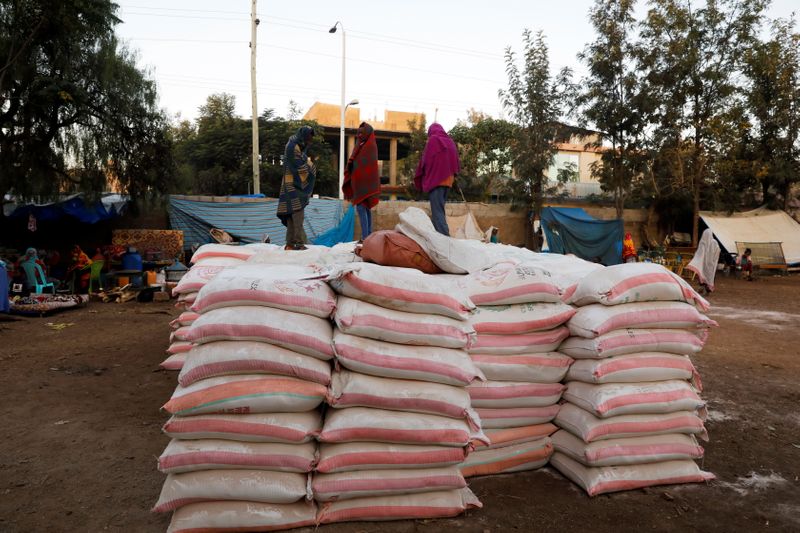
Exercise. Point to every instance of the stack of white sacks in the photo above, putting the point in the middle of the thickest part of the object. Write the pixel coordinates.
(246, 411)
(208, 261)
(520, 323)
(400, 420)
(632, 412)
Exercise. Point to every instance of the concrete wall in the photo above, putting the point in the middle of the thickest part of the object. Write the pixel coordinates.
(511, 223)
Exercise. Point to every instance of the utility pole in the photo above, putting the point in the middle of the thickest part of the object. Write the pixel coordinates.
(253, 26)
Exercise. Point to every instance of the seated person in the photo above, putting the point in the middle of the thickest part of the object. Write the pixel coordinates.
(746, 264)
(79, 269)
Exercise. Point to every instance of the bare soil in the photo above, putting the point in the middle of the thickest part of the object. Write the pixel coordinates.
(80, 430)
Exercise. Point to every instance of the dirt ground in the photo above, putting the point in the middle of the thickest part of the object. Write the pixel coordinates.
(80, 430)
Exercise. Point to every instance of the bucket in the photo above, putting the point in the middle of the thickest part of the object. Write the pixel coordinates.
(122, 281)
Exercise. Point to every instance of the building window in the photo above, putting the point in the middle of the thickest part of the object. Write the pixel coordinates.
(566, 162)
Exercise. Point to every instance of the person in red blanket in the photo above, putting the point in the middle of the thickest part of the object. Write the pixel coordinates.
(362, 181)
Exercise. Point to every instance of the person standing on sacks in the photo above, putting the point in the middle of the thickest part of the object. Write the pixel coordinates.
(362, 181)
(436, 173)
(297, 187)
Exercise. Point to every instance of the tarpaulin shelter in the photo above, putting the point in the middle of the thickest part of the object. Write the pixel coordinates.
(571, 230)
(757, 226)
(248, 220)
(75, 207)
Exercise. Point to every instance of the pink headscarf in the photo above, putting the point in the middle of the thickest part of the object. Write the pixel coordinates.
(439, 160)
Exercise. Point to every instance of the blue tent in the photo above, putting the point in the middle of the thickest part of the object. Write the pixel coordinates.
(248, 219)
(74, 207)
(571, 230)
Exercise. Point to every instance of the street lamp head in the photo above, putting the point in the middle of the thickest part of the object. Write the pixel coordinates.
(333, 28)
(353, 102)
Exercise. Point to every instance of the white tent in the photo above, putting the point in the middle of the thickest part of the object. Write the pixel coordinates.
(759, 225)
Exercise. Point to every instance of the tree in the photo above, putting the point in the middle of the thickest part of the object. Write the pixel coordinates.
(214, 155)
(689, 59)
(611, 98)
(536, 102)
(75, 111)
(416, 145)
(483, 146)
(773, 99)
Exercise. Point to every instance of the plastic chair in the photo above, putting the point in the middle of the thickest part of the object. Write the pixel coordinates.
(94, 276)
(36, 279)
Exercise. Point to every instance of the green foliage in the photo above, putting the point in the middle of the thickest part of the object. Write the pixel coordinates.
(688, 58)
(612, 97)
(416, 145)
(75, 110)
(215, 154)
(483, 144)
(773, 99)
(535, 101)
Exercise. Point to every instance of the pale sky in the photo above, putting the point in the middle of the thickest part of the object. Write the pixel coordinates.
(406, 55)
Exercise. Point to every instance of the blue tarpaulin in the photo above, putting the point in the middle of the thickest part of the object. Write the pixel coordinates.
(571, 230)
(248, 220)
(341, 233)
(74, 207)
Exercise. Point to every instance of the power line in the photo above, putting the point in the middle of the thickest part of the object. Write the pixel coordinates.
(358, 60)
(311, 26)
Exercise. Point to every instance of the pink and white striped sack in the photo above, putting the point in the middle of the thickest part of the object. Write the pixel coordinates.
(363, 319)
(509, 283)
(550, 367)
(612, 399)
(196, 278)
(602, 480)
(179, 347)
(628, 451)
(634, 282)
(208, 454)
(208, 251)
(510, 394)
(402, 289)
(247, 393)
(528, 343)
(597, 319)
(175, 361)
(440, 504)
(243, 485)
(255, 427)
(184, 319)
(301, 333)
(511, 417)
(628, 341)
(635, 368)
(366, 483)
(351, 389)
(422, 363)
(358, 456)
(227, 358)
(226, 516)
(364, 424)
(283, 287)
(590, 428)
(520, 318)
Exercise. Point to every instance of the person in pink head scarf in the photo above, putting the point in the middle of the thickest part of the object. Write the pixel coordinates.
(436, 173)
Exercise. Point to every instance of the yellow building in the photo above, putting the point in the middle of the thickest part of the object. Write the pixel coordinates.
(388, 133)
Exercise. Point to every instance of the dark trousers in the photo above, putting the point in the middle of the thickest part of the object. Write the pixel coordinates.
(438, 197)
(295, 234)
(365, 218)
